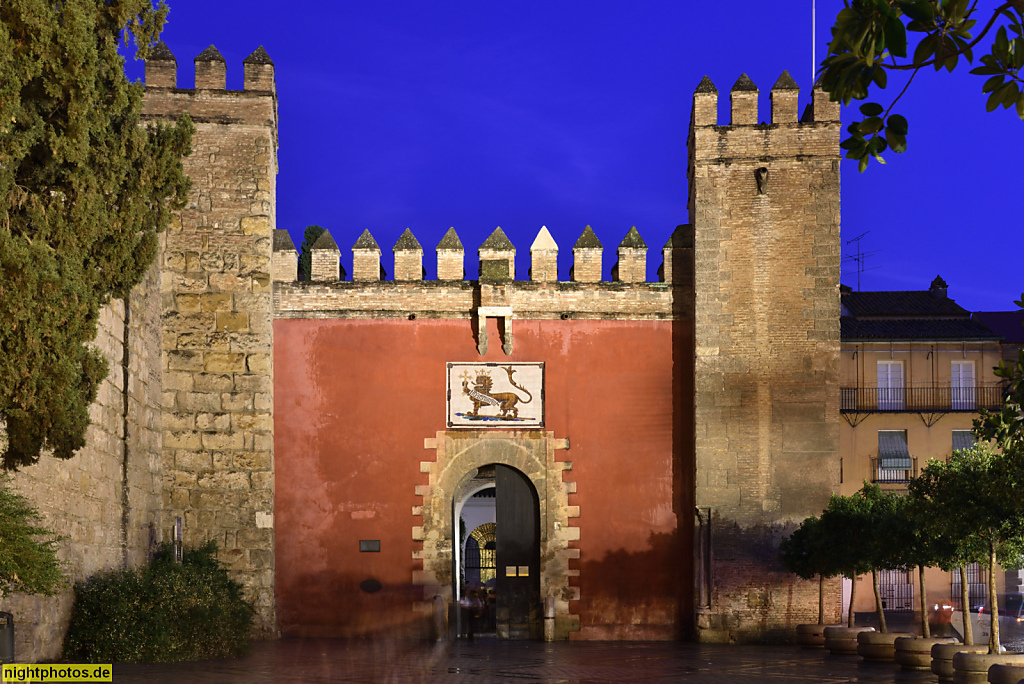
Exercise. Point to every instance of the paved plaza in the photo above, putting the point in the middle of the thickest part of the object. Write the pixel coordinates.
(325, 660)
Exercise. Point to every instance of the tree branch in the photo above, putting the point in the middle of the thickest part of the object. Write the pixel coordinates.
(988, 27)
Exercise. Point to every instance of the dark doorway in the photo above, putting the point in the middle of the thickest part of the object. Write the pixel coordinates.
(517, 589)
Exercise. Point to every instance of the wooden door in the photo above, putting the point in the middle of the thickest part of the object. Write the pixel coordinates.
(517, 590)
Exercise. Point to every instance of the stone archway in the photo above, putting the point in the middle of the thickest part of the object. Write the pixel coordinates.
(459, 453)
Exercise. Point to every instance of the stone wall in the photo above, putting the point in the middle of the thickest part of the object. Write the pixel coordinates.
(764, 204)
(105, 500)
(218, 452)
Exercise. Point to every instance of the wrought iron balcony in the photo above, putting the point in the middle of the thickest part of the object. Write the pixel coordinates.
(922, 399)
(881, 475)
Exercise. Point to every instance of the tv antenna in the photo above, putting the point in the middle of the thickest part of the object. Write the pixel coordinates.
(860, 257)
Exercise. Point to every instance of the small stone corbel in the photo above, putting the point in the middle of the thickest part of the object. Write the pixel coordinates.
(485, 312)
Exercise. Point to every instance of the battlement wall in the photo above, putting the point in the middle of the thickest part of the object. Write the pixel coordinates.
(627, 296)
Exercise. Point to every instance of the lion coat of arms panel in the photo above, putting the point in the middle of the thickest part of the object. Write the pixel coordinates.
(498, 395)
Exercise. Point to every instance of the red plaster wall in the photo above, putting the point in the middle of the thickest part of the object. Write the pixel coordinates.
(353, 401)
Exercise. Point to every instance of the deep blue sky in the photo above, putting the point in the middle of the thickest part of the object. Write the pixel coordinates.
(476, 115)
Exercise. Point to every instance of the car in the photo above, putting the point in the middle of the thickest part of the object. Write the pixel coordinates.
(1011, 619)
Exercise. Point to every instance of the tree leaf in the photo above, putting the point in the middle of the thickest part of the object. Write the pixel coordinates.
(919, 10)
(871, 109)
(897, 124)
(896, 37)
(925, 49)
(992, 83)
(897, 142)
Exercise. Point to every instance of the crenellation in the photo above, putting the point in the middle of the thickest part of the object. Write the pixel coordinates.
(161, 67)
(632, 264)
(450, 257)
(211, 70)
(743, 102)
(408, 257)
(365, 259)
(325, 259)
(587, 258)
(544, 257)
(258, 71)
(497, 257)
(784, 96)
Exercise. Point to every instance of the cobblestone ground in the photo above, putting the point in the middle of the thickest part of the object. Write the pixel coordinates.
(322, 661)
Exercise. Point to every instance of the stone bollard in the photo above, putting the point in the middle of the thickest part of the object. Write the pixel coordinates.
(843, 640)
(1002, 673)
(973, 668)
(878, 646)
(915, 653)
(811, 635)
(942, 658)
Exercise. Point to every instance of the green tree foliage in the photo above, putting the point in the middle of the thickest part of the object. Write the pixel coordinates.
(873, 38)
(166, 612)
(28, 550)
(312, 234)
(805, 555)
(84, 189)
(977, 501)
(845, 537)
(1006, 426)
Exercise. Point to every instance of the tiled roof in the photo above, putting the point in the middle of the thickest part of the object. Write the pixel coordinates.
(1007, 324)
(913, 329)
(901, 304)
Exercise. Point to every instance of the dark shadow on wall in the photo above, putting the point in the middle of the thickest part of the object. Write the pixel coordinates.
(341, 605)
(680, 263)
(636, 595)
(754, 599)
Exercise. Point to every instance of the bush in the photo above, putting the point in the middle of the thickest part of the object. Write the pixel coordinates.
(166, 612)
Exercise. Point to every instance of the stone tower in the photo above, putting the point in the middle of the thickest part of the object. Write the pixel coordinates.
(218, 446)
(764, 206)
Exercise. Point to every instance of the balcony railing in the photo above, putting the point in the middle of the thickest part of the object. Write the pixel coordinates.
(926, 399)
(881, 475)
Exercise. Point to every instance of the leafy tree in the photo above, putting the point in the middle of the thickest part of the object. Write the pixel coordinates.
(84, 189)
(312, 234)
(845, 533)
(805, 555)
(871, 38)
(951, 535)
(976, 498)
(1006, 426)
(28, 550)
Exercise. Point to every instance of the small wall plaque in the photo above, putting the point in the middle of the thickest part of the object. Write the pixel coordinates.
(510, 571)
(369, 545)
(524, 570)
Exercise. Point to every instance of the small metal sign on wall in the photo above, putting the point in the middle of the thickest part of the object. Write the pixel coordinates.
(496, 395)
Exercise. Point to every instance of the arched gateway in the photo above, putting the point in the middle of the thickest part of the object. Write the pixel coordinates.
(533, 525)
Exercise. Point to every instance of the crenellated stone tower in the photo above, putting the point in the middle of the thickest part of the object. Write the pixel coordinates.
(218, 381)
(764, 206)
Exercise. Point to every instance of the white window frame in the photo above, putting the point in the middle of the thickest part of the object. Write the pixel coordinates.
(961, 388)
(891, 389)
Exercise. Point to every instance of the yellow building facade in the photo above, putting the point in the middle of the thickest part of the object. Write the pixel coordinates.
(915, 369)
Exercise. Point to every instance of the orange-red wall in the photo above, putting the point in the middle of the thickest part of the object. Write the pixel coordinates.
(353, 401)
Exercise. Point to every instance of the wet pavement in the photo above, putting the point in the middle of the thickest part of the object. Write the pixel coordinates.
(325, 660)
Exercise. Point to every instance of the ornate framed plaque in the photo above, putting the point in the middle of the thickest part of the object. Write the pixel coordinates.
(495, 395)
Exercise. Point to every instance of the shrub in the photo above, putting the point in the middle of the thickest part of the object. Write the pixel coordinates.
(165, 612)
